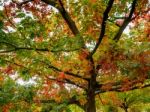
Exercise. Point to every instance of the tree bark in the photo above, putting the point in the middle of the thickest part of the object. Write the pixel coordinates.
(126, 109)
(90, 105)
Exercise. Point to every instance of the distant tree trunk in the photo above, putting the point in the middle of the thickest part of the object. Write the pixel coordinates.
(125, 106)
(90, 105)
(126, 109)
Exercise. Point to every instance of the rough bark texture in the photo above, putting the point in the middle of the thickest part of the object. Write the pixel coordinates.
(90, 106)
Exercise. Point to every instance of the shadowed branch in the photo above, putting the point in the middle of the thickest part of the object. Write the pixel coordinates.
(67, 81)
(103, 26)
(117, 88)
(126, 21)
(66, 72)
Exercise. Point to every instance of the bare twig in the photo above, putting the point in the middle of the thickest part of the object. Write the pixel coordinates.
(100, 99)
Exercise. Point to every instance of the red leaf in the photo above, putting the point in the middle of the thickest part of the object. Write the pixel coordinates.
(61, 76)
(8, 70)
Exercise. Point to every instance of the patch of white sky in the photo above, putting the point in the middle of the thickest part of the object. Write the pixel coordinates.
(31, 81)
(27, 13)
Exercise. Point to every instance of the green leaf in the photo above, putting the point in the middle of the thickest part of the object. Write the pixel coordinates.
(1, 24)
(20, 15)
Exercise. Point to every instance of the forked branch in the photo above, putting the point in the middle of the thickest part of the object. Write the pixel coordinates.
(70, 22)
(103, 26)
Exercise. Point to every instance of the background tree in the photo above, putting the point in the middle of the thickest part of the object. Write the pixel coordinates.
(74, 50)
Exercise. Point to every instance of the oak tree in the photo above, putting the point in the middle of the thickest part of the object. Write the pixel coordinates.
(74, 50)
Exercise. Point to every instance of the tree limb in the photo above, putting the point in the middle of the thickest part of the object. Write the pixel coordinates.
(9, 44)
(37, 49)
(65, 80)
(68, 19)
(16, 48)
(70, 22)
(117, 88)
(126, 21)
(68, 81)
(78, 85)
(66, 72)
(72, 100)
(60, 7)
(103, 26)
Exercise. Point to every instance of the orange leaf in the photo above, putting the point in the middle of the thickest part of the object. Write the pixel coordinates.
(83, 54)
(61, 76)
(93, 1)
(8, 70)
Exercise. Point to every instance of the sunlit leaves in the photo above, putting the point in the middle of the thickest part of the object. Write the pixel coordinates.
(1, 24)
(63, 69)
(20, 15)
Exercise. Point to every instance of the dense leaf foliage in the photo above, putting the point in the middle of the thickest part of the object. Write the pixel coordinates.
(74, 55)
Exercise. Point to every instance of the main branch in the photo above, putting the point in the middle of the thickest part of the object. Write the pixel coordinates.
(71, 24)
(60, 7)
(103, 26)
(117, 88)
(71, 100)
(66, 72)
(67, 81)
(36, 49)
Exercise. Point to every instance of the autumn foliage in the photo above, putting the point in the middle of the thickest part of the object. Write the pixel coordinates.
(56, 53)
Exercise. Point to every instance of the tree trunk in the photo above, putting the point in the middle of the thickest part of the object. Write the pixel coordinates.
(90, 105)
(125, 106)
(126, 109)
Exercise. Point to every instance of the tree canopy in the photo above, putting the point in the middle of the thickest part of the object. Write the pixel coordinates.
(74, 55)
